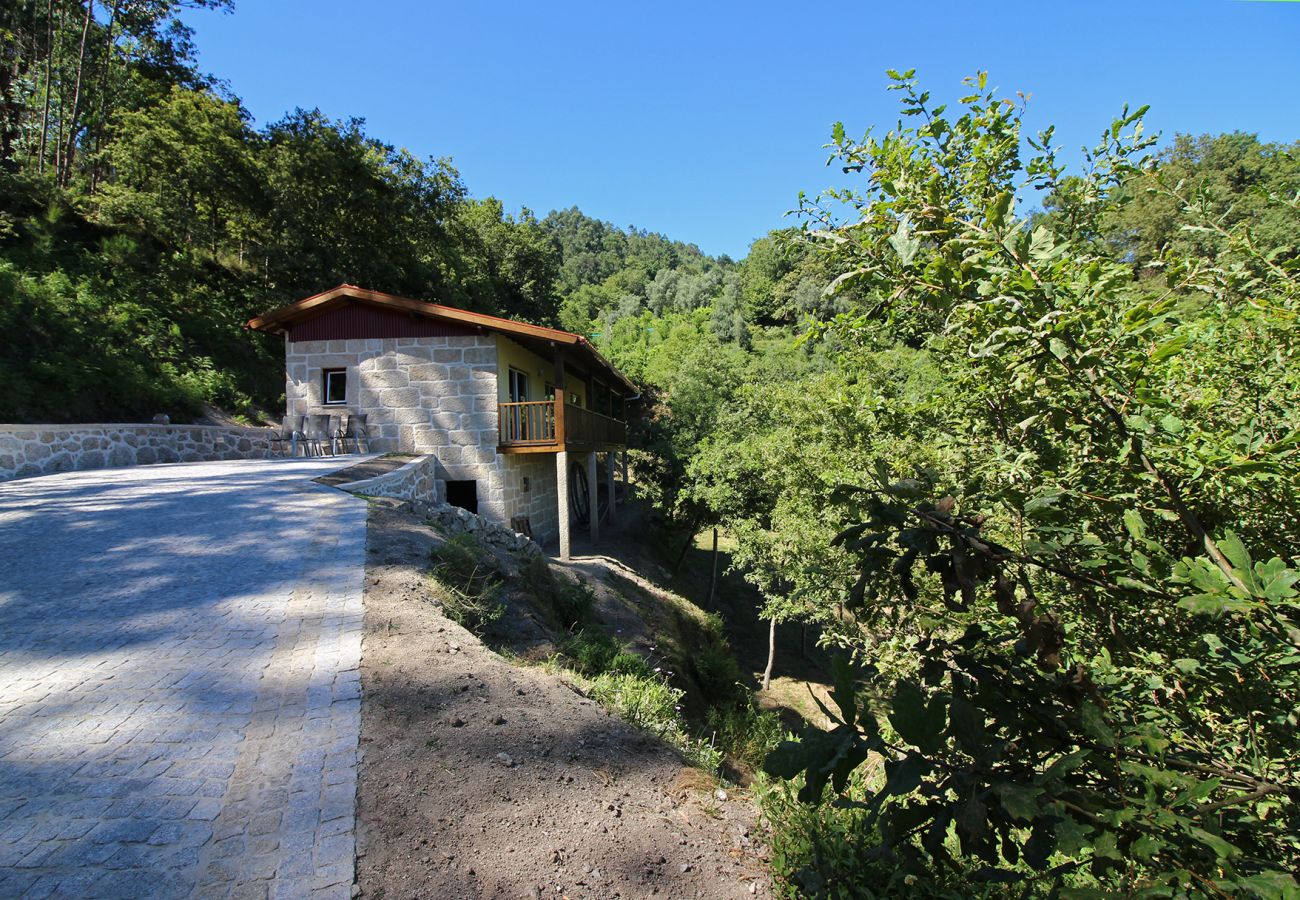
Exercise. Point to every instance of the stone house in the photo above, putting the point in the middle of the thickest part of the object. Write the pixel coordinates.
(522, 422)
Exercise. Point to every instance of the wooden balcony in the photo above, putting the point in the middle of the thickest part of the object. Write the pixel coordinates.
(549, 426)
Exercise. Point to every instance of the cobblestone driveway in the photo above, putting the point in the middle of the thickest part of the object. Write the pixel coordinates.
(179, 691)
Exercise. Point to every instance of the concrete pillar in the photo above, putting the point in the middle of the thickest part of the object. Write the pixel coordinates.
(562, 493)
(594, 489)
(609, 486)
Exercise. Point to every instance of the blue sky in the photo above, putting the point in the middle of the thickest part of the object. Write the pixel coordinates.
(702, 120)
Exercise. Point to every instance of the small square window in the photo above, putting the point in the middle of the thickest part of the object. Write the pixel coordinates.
(336, 387)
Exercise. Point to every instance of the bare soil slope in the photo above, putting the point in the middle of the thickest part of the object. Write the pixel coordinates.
(480, 778)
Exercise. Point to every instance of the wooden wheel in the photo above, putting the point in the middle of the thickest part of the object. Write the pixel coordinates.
(579, 494)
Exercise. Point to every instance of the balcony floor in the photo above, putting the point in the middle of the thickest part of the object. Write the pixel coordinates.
(567, 447)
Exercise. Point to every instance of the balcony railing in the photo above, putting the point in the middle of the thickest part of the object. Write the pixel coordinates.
(553, 425)
(527, 424)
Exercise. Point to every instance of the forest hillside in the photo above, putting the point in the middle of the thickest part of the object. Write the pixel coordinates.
(144, 219)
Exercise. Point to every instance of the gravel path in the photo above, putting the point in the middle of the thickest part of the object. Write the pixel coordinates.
(179, 685)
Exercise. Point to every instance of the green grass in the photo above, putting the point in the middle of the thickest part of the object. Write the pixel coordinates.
(570, 602)
(651, 703)
(592, 652)
(745, 734)
(470, 581)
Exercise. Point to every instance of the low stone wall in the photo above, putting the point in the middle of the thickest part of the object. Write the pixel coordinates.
(27, 450)
(417, 483)
(416, 480)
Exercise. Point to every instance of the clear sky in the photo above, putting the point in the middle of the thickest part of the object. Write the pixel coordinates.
(703, 120)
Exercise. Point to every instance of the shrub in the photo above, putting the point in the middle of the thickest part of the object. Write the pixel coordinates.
(744, 733)
(817, 851)
(719, 675)
(471, 581)
(463, 562)
(474, 612)
(573, 601)
(593, 652)
(651, 703)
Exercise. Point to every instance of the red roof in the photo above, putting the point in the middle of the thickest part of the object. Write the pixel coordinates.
(277, 320)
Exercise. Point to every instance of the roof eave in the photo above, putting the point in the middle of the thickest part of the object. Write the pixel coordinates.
(277, 320)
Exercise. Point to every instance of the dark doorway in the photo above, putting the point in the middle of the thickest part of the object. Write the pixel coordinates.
(463, 494)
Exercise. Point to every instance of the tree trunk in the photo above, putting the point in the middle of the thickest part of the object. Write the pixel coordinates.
(76, 98)
(49, 76)
(11, 54)
(771, 654)
(713, 579)
(58, 65)
(686, 545)
(100, 120)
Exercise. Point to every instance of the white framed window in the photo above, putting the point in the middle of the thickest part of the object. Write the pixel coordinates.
(335, 387)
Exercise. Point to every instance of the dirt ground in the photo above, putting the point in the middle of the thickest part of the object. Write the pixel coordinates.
(480, 778)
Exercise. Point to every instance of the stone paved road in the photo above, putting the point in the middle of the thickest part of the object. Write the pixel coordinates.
(179, 687)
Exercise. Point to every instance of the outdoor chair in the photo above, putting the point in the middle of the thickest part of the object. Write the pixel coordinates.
(335, 426)
(354, 430)
(300, 436)
(318, 436)
(281, 439)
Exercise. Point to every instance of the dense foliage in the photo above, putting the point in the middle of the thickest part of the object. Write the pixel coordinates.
(143, 219)
(1043, 501)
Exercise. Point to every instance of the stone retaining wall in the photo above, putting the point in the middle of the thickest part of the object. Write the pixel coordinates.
(417, 483)
(454, 520)
(27, 450)
(417, 480)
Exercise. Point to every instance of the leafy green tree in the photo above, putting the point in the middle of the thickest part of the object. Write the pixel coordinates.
(579, 311)
(186, 170)
(691, 377)
(352, 206)
(509, 265)
(1073, 601)
(1228, 178)
(67, 67)
(728, 318)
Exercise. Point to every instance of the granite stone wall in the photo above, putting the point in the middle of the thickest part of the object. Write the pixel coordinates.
(423, 395)
(414, 481)
(529, 485)
(28, 450)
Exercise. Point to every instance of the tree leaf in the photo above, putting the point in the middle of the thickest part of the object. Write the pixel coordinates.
(1221, 848)
(919, 723)
(1166, 349)
(1094, 724)
(1019, 800)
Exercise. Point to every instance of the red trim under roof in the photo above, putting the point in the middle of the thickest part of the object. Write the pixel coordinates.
(280, 320)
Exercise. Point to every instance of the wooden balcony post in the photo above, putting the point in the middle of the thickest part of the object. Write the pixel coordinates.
(559, 416)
